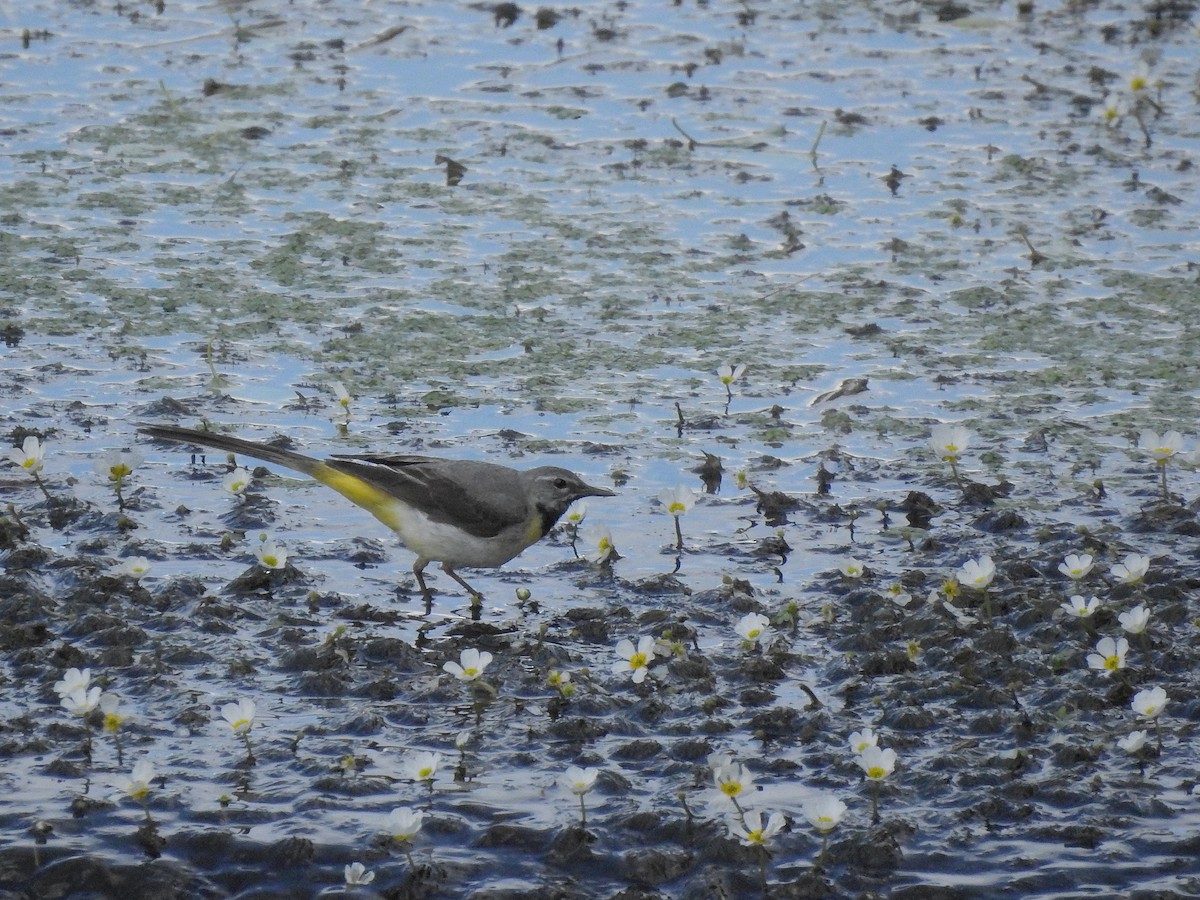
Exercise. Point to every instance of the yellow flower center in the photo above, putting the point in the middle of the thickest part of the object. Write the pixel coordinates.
(1137, 83)
(731, 788)
(424, 773)
(638, 661)
(753, 633)
(1112, 662)
(677, 508)
(240, 725)
(470, 671)
(876, 772)
(112, 722)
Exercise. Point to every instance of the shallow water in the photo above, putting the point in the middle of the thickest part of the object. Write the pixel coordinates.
(566, 303)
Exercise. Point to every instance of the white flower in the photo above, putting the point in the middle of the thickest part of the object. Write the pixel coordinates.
(1109, 655)
(1161, 448)
(678, 500)
(824, 812)
(1133, 742)
(755, 628)
(635, 660)
(1116, 106)
(1076, 566)
(138, 784)
(861, 740)
(271, 555)
(977, 573)
(422, 765)
(470, 665)
(237, 481)
(117, 465)
(30, 456)
(851, 568)
(1149, 702)
(898, 595)
(949, 441)
(1135, 620)
(603, 549)
(73, 679)
(134, 567)
(403, 824)
(341, 394)
(239, 715)
(751, 831)
(1141, 79)
(580, 780)
(1081, 607)
(112, 719)
(733, 780)
(356, 873)
(730, 374)
(1132, 569)
(80, 701)
(576, 513)
(876, 763)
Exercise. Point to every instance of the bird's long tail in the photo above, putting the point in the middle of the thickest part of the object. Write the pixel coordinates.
(286, 458)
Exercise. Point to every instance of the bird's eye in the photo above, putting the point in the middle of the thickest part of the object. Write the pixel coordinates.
(560, 484)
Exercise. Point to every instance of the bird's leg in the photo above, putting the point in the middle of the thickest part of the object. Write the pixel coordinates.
(419, 571)
(476, 597)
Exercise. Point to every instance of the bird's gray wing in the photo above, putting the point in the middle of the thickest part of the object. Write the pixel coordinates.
(483, 499)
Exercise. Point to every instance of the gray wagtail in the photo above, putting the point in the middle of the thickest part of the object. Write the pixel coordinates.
(456, 512)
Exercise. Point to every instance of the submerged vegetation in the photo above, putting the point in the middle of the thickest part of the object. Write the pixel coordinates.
(922, 282)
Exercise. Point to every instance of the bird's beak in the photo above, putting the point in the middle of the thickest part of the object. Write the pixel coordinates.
(588, 491)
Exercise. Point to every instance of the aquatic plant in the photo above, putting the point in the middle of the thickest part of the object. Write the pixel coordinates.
(1110, 655)
(270, 554)
(755, 631)
(135, 567)
(470, 665)
(580, 781)
(237, 481)
(1132, 569)
(1076, 566)
(356, 873)
(603, 551)
(727, 375)
(678, 501)
(1081, 607)
(240, 716)
(635, 660)
(31, 457)
(1162, 450)
(421, 765)
(949, 442)
(824, 812)
(851, 568)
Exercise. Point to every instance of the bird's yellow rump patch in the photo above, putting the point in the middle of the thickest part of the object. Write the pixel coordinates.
(377, 502)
